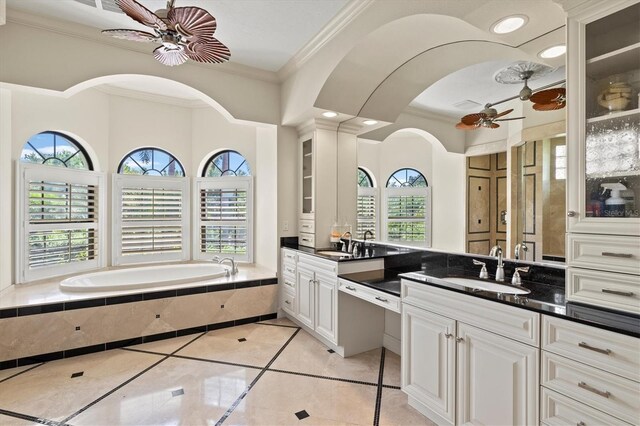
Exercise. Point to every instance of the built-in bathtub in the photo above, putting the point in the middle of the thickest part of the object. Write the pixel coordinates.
(143, 277)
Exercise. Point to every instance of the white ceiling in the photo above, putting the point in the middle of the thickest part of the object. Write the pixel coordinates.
(477, 84)
(263, 34)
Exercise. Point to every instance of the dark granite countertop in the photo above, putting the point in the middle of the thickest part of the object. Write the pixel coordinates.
(375, 252)
(544, 298)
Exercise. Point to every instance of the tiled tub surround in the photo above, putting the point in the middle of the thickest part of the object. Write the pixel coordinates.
(70, 324)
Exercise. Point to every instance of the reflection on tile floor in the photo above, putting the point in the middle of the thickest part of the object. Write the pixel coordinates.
(270, 373)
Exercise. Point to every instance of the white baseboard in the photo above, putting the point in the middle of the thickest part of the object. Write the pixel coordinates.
(391, 343)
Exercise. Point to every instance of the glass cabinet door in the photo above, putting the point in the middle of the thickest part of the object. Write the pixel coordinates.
(307, 176)
(612, 133)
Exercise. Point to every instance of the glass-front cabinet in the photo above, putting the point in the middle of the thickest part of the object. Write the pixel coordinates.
(603, 62)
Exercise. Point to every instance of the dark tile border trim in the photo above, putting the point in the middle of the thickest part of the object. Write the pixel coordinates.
(376, 415)
(130, 298)
(21, 372)
(40, 358)
(29, 418)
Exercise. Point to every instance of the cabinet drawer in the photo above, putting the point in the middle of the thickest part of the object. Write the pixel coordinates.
(289, 283)
(288, 269)
(609, 351)
(376, 297)
(612, 394)
(509, 321)
(604, 252)
(608, 289)
(558, 410)
(289, 256)
(307, 240)
(307, 226)
(288, 303)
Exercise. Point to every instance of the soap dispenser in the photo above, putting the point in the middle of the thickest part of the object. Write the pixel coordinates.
(614, 206)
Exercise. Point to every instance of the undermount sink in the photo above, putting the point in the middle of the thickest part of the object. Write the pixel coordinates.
(487, 286)
(334, 253)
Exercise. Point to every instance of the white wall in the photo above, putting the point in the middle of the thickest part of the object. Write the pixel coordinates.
(443, 170)
(111, 126)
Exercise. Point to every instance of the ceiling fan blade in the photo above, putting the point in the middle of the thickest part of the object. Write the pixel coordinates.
(473, 118)
(462, 126)
(548, 96)
(131, 35)
(549, 107)
(170, 57)
(503, 113)
(141, 14)
(193, 23)
(212, 52)
(509, 119)
(494, 126)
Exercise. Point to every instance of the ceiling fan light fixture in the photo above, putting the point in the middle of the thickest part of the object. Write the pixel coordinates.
(330, 114)
(509, 24)
(553, 51)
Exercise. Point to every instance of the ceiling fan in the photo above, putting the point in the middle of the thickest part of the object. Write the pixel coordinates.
(184, 32)
(486, 118)
(543, 100)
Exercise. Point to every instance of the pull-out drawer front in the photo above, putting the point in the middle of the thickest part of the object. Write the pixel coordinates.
(558, 410)
(604, 252)
(515, 323)
(307, 240)
(289, 283)
(288, 303)
(607, 289)
(609, 351)
(307, 226)
(317, 264)
(289, 257)
(607, 392)
(376, 297)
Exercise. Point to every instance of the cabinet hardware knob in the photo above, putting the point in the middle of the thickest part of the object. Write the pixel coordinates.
(382, 299)
(448, 335)
(591, 348)
(310, 282)
(459, 339)
(287, 302)
(585, 386)
(350, 288)
(618, 292)
(621, 255)
(581, 423)
(571, 213)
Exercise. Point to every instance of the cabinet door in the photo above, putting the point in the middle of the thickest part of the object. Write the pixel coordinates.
(497, 379)
(326, 306)
(305, 295)
(428, 360)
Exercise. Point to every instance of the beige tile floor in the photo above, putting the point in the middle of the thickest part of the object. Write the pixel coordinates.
(256, 374)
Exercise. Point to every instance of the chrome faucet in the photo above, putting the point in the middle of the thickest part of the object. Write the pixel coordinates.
(516, 280)
(497, 251)
(484, 274)
(347, 248)
(367, 232)
(518, 248)
(364, 244)
(234, 268)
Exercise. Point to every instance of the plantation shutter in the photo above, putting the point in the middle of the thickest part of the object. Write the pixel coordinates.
(407, 215)
(62, 211)
(152, 218)
(224, 218)
(366, 211)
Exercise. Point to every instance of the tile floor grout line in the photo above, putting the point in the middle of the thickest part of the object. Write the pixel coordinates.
(316, 376)
(376, 415)
(22, 372)
(277, 325)
(126, 382)
(213, 361)
(252, 384)
(30, 418)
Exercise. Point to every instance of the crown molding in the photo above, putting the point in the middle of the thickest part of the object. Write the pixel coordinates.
(72, 29)
(150, 97)
(3, 12)
(423, 113)
(347, 15)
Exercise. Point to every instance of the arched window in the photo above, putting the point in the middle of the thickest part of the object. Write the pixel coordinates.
(55, 149)
(407, 217)
(61, 207)
(226, 163)
(407, 177)
(364, 180)
(150, 162)
(367, 205)
(225, 221)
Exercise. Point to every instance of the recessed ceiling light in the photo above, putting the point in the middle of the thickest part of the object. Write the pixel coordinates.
(370, 122)
(330, 114)
(509, 24)
(553, 51)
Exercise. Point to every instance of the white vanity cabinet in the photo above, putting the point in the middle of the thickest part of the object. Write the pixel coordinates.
(603, 115)
(455, 372)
